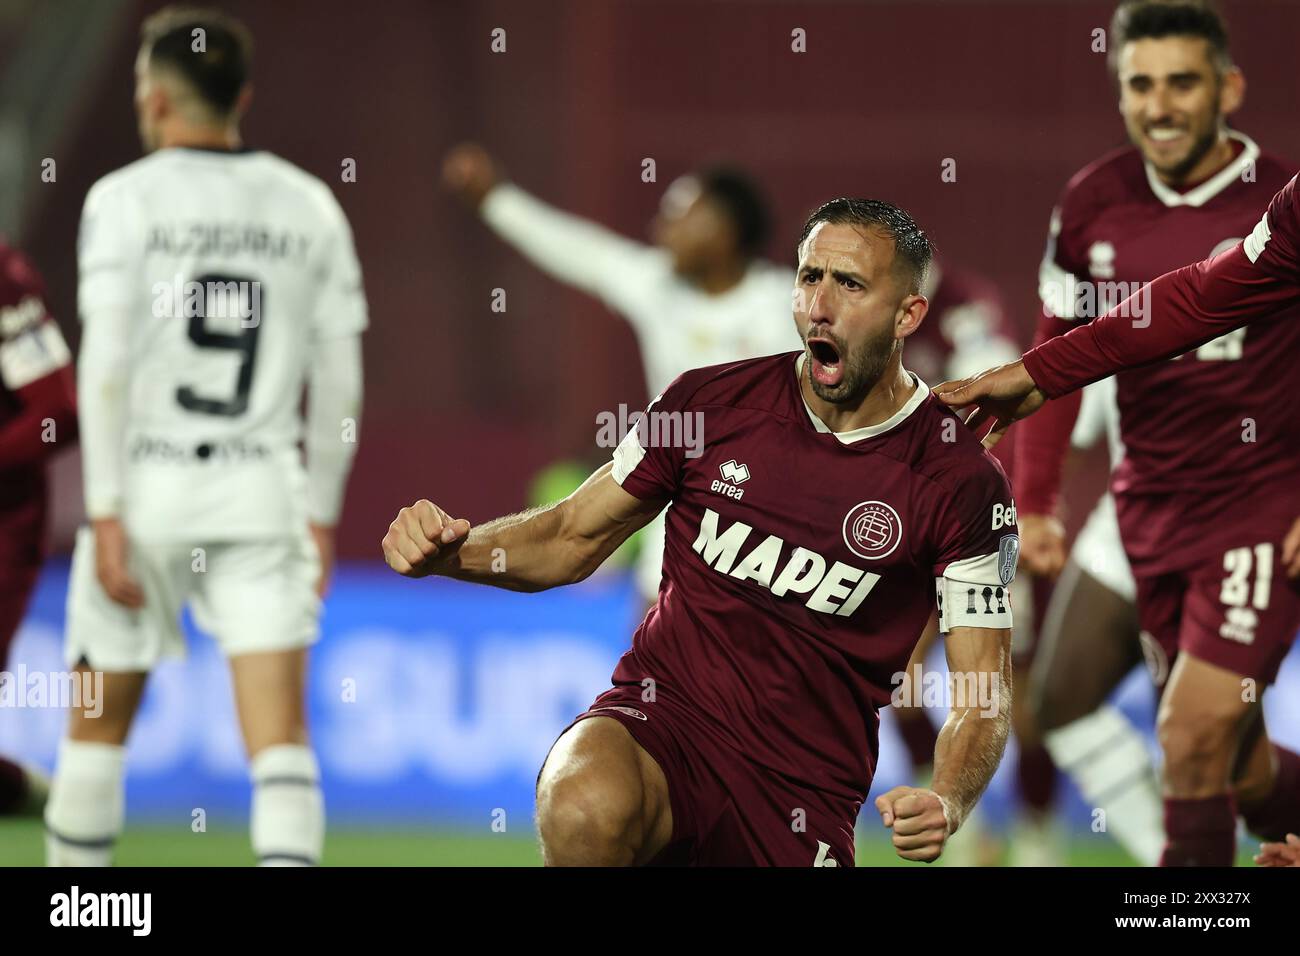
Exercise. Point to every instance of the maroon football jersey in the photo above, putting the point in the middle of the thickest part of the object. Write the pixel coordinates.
(800, 565)
(35, 392)
(1196, 427)
(1189, 306)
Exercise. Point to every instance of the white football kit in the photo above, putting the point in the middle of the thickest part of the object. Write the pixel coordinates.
(213, 286)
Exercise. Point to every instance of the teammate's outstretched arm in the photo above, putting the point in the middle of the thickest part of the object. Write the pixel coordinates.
(546, 547)
(1177, 312)
(969, 748)
(576, 251)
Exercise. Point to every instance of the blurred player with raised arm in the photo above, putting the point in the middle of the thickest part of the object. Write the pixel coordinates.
(215, 282)
(834, 504)
(38, 417)
(1217, 613)
(700, 295)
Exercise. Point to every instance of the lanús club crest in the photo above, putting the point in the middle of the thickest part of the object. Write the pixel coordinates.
(872, 530)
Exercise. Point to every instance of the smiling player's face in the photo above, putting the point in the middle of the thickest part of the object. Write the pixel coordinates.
(1172, 99)
(849, 308)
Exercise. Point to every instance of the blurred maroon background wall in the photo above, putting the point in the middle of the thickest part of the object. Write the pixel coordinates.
(464, 404)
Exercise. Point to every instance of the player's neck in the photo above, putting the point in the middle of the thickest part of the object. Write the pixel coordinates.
(721, 278)
(878, 405)
(200, 137)
(1216, 158)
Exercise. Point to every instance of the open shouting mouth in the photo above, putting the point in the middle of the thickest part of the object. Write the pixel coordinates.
(827, 362)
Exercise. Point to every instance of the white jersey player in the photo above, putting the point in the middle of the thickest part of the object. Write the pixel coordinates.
(215, 282)
(699, 296)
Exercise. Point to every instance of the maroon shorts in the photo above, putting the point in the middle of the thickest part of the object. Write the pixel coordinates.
(1235, 609)
(728, 810)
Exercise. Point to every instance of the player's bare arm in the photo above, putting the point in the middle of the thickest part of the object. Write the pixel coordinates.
(968, 751)
(558, 544)
(112, 567)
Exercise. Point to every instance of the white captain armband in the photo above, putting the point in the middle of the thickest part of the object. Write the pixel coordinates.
(976, 592)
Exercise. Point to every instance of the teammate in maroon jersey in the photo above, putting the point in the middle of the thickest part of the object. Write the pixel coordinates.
(1208, 591)
(832, 505)
(37, 418)
(1249, 283)
(1188, 185)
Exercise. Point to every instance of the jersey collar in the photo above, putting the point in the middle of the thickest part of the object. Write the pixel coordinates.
(1212, 186)
(867, 431)
(218, 150)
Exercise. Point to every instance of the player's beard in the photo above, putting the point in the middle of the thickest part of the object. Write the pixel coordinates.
(1195, 154)
(862, 368)
(1197, 151)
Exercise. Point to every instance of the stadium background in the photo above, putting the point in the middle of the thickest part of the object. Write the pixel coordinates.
(459, 691)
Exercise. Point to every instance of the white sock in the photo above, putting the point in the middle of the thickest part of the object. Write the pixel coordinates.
(288, 818)
(1105, 756)
(87, 804)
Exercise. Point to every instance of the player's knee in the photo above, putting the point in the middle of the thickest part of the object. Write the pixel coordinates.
(108, 709)
(589, 817)
(589, 810)
(1197, 748)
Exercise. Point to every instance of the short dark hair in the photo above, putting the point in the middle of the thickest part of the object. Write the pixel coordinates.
(220, 70)
(913, 251)
(1156, 19)
(743, 202)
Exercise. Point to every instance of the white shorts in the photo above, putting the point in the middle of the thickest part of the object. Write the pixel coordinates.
(1099, 551)
(251, 596)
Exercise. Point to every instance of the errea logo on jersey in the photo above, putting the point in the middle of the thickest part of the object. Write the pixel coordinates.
(804, 571)
(735, 474)
(1004, 516)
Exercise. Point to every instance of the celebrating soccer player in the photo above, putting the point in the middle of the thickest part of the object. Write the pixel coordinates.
(833, 506)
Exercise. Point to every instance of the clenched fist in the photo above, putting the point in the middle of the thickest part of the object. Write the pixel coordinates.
(919, 819)
(422, 538)
(470, 172)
